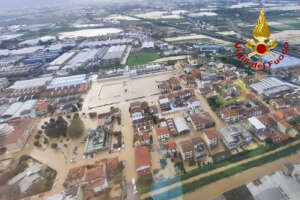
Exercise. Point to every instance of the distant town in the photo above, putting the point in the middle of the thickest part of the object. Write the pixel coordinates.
(141, 100)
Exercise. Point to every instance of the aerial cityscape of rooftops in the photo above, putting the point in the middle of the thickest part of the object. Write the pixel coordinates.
(150, 100)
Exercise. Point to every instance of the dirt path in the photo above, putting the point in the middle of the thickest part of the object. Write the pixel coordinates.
(178, 184)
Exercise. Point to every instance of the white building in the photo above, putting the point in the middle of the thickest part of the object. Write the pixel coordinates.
(181, 125)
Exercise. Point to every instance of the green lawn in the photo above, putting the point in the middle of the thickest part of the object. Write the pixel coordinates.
(141, 58)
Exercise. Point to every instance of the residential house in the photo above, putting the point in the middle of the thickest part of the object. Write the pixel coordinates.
(279, 103)
(164, 104)
(96, 178)
(189, 81)
(196, 73)
(170, 146)
(193, 149)
(228, 115)
(164, 87)
(41, 108)
(142, 138)
(17, 138)
(171, 127)
(75, 176)
(174, 83)
(200, 122)
(194, 103)
(163, 133)
(142, 160)
(211, 137)
(256, 126)
(235, 135)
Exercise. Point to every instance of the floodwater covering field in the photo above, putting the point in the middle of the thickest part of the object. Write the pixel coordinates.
(89, 32)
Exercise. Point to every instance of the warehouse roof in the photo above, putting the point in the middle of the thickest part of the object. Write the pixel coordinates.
(115, 52)
(15, 110)
(270, 84)
(67, 81)
(256, 123)
(36, 82)
(181, 124)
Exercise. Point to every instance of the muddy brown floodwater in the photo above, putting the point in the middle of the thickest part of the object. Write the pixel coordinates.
(218, 188)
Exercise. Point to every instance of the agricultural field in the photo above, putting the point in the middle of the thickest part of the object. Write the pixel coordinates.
(140, 58)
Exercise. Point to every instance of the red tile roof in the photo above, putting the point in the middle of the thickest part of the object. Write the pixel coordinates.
(76, 173)
(41, 106)
(112, 164)
(199, 119)
(94, 173)
(162, 131)
(97, 183)
(142, 157)
(170, 145)
(211, 133)
(19, 129)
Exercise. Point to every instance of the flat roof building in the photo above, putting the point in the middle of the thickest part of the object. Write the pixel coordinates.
(181, 125)
(32, 83)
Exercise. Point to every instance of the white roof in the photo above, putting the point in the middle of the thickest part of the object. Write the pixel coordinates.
(289, 186)
(270, 83)
(256, 123)
(56, 197)
(15, 110)
(288, 61)
(67, 81)
(63, 58)
(37, 82)
(21, 51)
(115, 52)
(164, 100)
(181, 124)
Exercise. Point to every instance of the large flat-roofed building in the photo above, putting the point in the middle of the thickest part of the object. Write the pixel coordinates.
(20, 110)
(23, 51)
(3, 83)
(235, 135)
(272, 86)
(66, 81)
(95, 44)
(31, 83)
(62, 59)
(84, 57)
(115, 54)
(181, 125)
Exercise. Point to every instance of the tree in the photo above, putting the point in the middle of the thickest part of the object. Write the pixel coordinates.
(74, 108)
(50, 109)
(36, 143)
(46, 141)
(76, 116)
(269, 141)
(56, 128)
(93, 114)
(37, 137)
(76, 128)
(54, 145)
